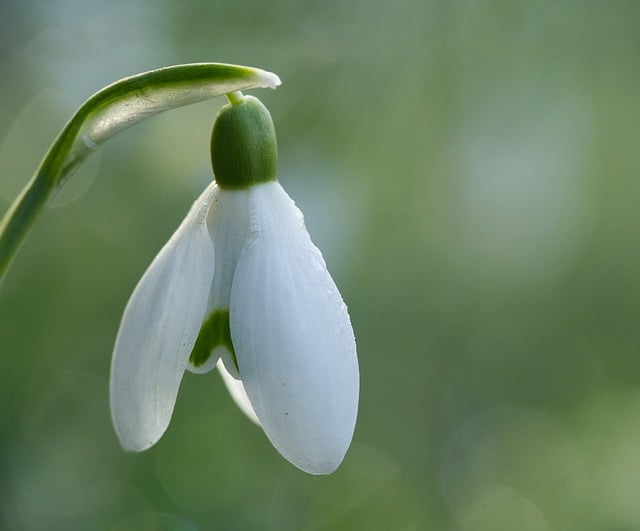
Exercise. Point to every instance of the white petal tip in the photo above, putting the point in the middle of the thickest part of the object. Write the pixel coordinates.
(134, 441)
(132, 448)
(319, 468)
(137, 429)
(318, 454)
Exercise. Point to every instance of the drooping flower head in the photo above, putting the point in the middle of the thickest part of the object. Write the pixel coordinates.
(241, 286)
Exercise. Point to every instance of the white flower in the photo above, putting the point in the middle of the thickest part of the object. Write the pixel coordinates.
(240, 285)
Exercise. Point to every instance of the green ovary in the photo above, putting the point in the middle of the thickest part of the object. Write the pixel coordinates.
(244, 150)
(214, 333)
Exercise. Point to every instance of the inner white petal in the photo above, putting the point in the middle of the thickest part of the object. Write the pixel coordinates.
(228, 224)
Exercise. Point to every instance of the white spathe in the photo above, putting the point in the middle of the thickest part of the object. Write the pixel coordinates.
(298, 371)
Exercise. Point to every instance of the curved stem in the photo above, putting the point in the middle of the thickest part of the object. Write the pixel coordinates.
(106, 113)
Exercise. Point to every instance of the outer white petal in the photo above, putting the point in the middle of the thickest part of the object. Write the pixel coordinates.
(293, 337)
(158, 329)
(237, 392)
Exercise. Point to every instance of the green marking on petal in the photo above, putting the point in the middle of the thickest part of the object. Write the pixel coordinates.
(214, 333)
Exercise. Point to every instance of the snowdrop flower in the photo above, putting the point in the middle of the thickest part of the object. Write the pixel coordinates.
(241, 286)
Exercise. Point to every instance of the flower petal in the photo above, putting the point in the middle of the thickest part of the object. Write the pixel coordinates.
(237, 392)
(158, 331)
(293, 337)
(228, 222)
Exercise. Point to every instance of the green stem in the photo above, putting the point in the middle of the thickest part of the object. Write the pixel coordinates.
(108, 112)
(235, 97)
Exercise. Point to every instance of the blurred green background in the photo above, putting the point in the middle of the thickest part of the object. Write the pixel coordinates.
(470, 171)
